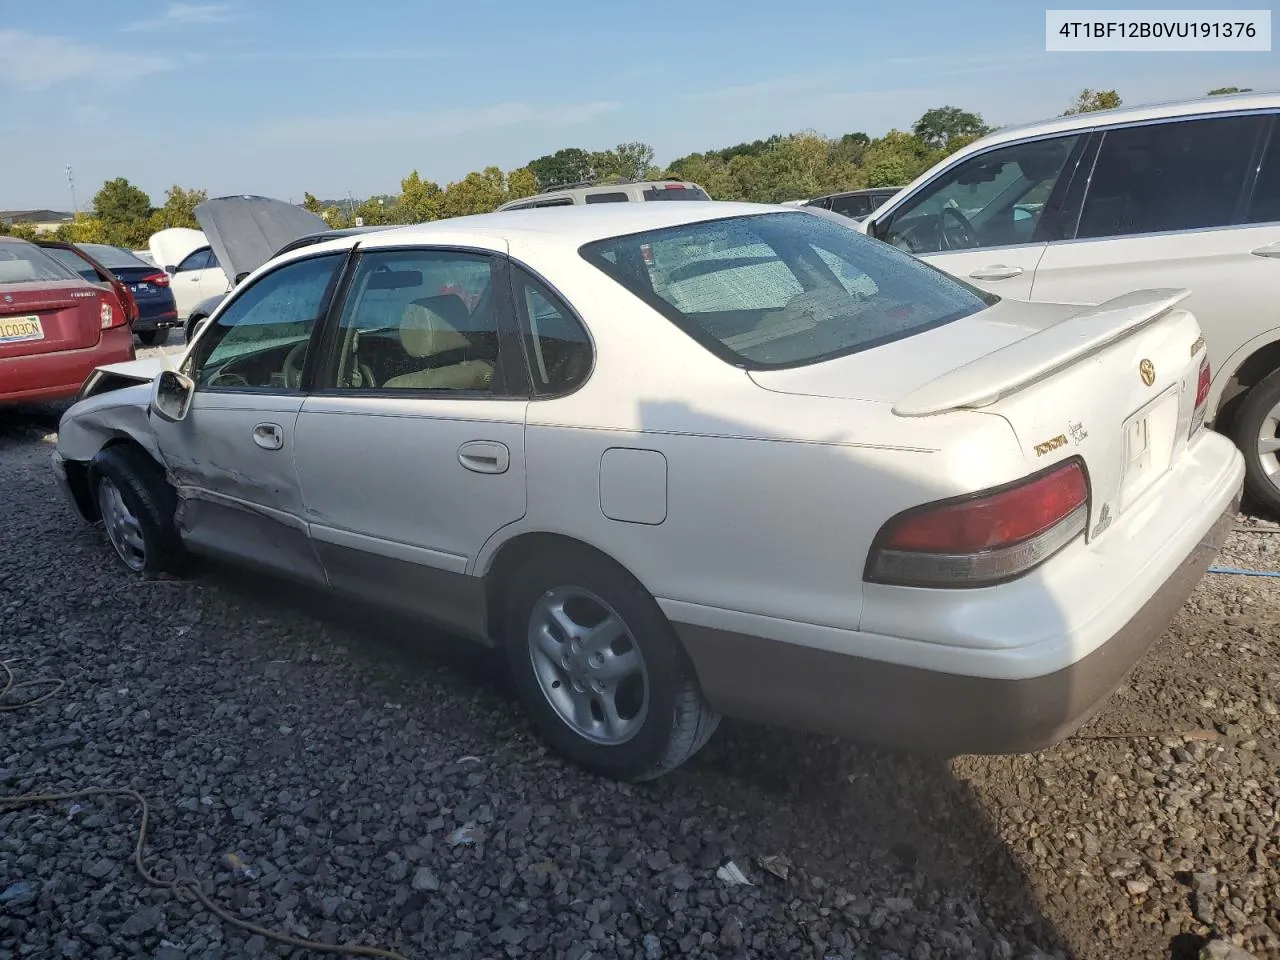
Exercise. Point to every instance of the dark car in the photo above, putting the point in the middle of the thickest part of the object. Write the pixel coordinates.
(855, 204)
(149, 286)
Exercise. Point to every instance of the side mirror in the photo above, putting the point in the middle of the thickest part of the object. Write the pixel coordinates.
(171, 270)
(171, 395)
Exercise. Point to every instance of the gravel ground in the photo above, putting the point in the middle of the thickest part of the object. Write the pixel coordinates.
(377, 788)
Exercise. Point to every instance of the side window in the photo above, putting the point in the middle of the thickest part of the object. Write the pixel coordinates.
(607, 197)
(1264, 206)
(199, 260)
(419, 320)
(260, 340)
(1183, 175)
(855, 206)
(559, 350)
(990, 200)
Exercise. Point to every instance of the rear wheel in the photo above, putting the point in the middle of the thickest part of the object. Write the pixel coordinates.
(153, 338)
(600, 670)
(1256, 431)
(136, 506)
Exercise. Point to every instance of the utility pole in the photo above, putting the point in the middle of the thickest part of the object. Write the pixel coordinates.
(71, 182)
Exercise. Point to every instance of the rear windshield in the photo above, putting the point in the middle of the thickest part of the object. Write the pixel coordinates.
(674, 193)
(783, 289)
(111, 257)
(26, 263)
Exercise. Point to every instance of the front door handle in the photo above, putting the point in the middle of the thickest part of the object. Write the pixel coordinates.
(1270, 251)
(268, 436)
(997, 271)
(485, 456)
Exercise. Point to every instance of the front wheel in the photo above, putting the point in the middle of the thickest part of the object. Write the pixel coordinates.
(1256, 431)
(600, 670)
(136, 506)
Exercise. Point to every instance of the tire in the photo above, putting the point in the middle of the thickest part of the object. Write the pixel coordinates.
(660, 718)
(1257, 419)
(144, 538)
(153, 338)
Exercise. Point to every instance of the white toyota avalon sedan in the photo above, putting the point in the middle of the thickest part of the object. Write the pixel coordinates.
(686, 460)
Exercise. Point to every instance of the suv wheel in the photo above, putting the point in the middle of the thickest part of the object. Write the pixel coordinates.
(1256, 431)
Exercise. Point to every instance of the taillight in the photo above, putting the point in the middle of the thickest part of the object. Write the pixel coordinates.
(984, 538)
(160, 279)
(111, 315)
(1202, 397)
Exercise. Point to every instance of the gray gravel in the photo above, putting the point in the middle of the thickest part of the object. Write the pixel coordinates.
(342, 776)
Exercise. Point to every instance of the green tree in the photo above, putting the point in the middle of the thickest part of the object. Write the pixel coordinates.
(1088, 101)
(939, 126)
(180, 206)
(625, 162)
(420, 200)
(896, 159)
(1223, 91)
(309, 202)
(521, 183)
(480, 192)
(125, 212)
(569, 165)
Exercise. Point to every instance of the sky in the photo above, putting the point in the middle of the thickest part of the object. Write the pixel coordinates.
(275, 97)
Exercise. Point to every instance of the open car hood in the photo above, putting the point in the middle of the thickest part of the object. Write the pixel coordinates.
(246, 231)
(172, 245)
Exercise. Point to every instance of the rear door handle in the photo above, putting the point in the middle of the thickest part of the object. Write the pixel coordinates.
(268, 436)
(485, 456)
(997, 271)
(1270, 251)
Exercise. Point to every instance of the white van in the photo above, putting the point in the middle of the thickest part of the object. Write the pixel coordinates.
(1083, 208)
(640, 191)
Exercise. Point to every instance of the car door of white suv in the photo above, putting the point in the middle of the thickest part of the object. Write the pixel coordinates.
(988, 217)
(1186, 202)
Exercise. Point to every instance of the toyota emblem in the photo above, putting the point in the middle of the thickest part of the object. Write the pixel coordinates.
(1147, 370)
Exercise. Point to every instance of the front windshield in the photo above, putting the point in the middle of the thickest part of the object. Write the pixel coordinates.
(783, 289)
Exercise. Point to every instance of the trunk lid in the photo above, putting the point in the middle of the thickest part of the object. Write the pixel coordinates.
(50, 316)
(1113, 384)
(169, 247)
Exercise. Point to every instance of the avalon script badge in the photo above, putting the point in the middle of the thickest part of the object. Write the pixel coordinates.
(1147, 370)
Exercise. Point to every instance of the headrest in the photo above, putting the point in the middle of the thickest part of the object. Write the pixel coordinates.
(426, 330)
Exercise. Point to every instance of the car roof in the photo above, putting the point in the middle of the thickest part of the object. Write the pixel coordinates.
(570, 226)
(1229, 103)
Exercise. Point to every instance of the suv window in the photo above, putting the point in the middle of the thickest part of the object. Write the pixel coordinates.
(1264, 206)
(607, 198)
(782, 289)
(1183, 175)
(674, 193)
(260, 340)
(855, 206)
(419, 320)
(557, 346)
(990, 200)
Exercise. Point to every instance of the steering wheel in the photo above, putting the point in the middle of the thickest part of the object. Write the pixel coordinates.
(964, 236)
(293, 365)
(227, 380)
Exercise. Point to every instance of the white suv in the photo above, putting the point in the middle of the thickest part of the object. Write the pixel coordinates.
(1083, 208)
(640, 191)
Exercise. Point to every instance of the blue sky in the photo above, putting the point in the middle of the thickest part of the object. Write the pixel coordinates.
(281, 96)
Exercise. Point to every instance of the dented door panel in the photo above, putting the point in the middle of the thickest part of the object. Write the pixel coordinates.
(239, 500)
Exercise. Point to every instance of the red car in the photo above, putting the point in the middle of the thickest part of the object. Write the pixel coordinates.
(55, 326)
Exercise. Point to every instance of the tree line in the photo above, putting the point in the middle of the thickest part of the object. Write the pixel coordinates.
(781, 167)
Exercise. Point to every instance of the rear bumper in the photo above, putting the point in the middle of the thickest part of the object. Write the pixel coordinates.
(841, 694)
(41, 378)
(157, 320)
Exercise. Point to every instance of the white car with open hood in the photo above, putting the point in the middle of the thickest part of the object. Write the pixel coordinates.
(685, 460)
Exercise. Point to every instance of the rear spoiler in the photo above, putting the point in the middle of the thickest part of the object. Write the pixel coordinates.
(1018, 365)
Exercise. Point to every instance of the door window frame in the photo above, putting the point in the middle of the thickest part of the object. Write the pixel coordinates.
(1071, 168)
(328, 300)
(510, 374)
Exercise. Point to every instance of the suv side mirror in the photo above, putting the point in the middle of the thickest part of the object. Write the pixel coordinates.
(171, 395)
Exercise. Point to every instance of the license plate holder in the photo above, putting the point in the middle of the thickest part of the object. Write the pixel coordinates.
(1149, 437)
(21, 329)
